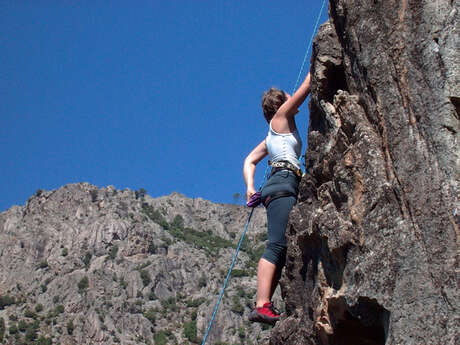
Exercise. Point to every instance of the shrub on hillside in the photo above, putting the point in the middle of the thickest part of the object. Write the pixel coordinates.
(149, 314)
(170, 304)
(237, 307)
(83, 284)
(5, 301)
(113, 252)
(43, 341)
(87, 259)
(155, 215)
(239, 273)
(70, 327)
(43, 264)
(160, 338)
(145, 276)
(190, 331)
(29, 313)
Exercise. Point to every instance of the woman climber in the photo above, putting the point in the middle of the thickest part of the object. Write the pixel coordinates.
(279, 194)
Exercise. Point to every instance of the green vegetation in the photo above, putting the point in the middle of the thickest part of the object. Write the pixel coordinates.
(160, 338)
(190, 331)
(22, 326)
(152, 249)
(123, 283)
(195, 303)
(55, 312)
(83, 284)
(207, 241)
(155, 215)
(152, 296)
(202, 282)
(43, 341)
(31, 334)
(178, 222)
(70, 327)
(170, 304)
(87, 259)
(29, 313)
(113, 252)
(94, 194)
(6, 301)
(144, 265)
(239, 273)
(237, 307)
(140, 193)
(253, 252)
(43, 264)
(241, 333)
(149, 314)
(39, 308)
(145, 276)
(64, 252)
(13, 329)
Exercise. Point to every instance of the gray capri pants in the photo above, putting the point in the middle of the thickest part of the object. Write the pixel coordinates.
(278, 214)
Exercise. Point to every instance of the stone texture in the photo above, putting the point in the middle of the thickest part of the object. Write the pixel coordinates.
(373, 241)
(61, 237)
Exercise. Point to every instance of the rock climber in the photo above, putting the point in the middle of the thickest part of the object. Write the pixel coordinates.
(279, 194)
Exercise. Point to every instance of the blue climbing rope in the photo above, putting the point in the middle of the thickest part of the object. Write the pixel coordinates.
(227, 278)
(309, 46)
(235, 256)
(302, 157)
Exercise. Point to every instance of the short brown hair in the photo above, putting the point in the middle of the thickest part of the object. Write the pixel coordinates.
(271, 101)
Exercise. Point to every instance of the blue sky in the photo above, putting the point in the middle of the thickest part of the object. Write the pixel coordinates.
(161, 95)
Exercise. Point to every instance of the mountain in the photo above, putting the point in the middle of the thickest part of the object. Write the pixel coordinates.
(373, 243)
(83, 265)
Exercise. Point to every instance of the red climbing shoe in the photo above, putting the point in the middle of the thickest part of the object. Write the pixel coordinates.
(267, 314)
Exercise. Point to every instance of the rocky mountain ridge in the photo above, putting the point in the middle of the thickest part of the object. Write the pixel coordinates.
(82, 265)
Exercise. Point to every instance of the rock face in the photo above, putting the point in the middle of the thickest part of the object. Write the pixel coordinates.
(373, 242)
(82, 265)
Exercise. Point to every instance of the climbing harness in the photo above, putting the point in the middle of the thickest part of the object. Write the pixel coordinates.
(281, 194)
(235, 256)
(285, 165)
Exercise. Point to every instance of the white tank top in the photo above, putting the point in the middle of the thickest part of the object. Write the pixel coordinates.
(284, 146)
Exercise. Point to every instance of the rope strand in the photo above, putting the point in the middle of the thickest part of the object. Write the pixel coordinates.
(235, 256)
(308, 47)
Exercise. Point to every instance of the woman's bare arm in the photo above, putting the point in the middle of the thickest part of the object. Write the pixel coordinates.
(249, 167)
(283, 120)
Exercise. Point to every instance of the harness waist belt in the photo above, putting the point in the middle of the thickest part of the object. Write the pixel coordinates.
(285, 165)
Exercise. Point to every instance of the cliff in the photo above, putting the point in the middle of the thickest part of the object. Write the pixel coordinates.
(82, 265)
(373, 241)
